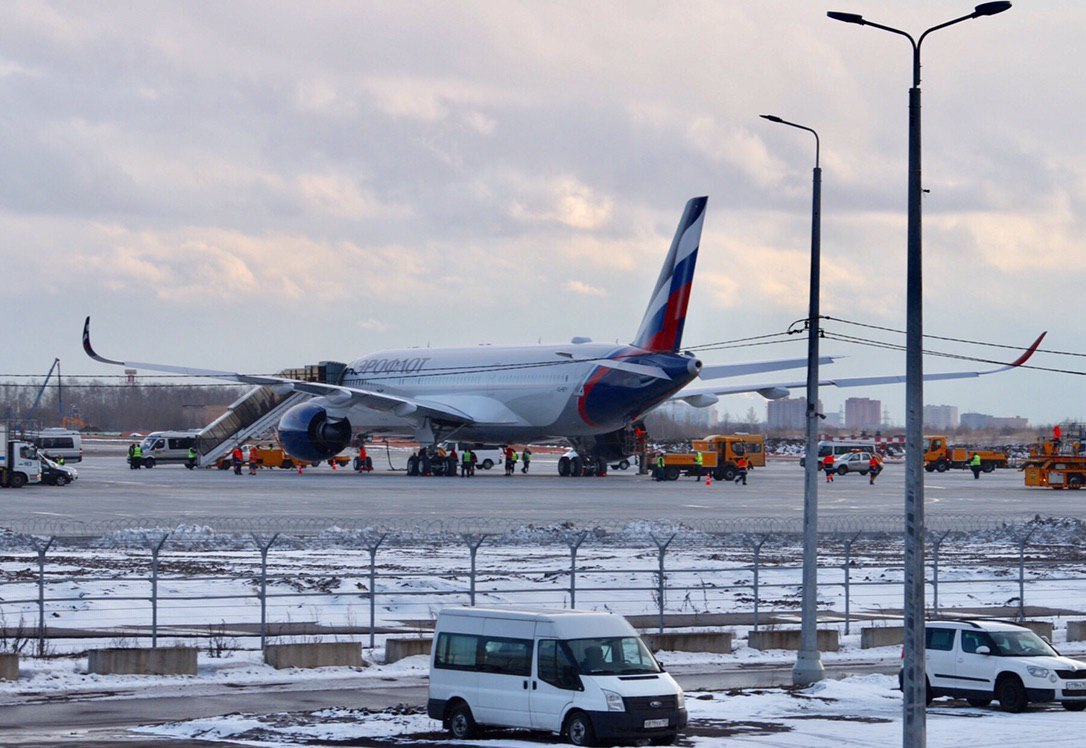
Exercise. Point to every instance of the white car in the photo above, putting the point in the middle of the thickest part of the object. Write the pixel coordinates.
(853, 462)
(981, 660)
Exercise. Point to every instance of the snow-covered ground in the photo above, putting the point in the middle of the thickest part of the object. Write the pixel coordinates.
(859, 711)
(209, 580)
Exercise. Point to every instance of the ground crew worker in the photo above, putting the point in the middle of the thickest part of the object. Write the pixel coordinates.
(59, 460)
(658, 473)
(827, 465)
(136, 460)
(874, 467)
(474, 461)
(424, 460)
(699, 462)
(465, 463)
(974, 465)
(527, 460)
(190, 461)
(741, 466)
(237, 458)
(509, 460)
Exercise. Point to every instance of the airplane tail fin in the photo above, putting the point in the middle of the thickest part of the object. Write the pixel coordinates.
(662, 327)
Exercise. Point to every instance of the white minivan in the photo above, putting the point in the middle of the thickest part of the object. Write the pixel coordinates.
(585, 675)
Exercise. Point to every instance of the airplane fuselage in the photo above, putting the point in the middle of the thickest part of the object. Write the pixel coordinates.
(519, 393)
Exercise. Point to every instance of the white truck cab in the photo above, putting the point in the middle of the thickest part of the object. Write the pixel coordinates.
(19, 463)
(981, 660)
(585, 675)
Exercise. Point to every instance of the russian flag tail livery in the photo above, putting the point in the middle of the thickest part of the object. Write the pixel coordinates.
(662, 327)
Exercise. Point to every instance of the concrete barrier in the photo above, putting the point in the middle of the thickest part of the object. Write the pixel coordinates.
(1041, 628)
(790, 639)
(143, 661)
(9, 666)
(397, 649)
(311, 655)
(881, 636)
(1076, 631)
(719, 642)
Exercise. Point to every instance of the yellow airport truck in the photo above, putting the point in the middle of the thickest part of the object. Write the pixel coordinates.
(719, 454)
(939, 457)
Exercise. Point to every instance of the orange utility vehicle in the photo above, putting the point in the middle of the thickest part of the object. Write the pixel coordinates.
(719, 454)
(1056, 464)
(939, 457)
(271, 456)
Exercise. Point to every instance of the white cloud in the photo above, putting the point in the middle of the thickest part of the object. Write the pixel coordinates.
(580, 287)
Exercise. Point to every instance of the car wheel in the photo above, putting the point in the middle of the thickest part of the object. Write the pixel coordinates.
(487, 464)
(843, 470)
(579, 730)
(1074, 481)
(988, 467)
(1074, 706)
(623, 465)
(60, 480)
(671, 472)
(1012, 694)
(730, 472)
(979, 703)
(17, 480)
(941, 466)
(461, 723)
(564, 466)
(148, 462)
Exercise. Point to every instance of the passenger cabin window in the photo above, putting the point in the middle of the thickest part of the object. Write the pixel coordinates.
(507, 656)
(556, 667)
(484, 654)
(456, 652)
(941, 639)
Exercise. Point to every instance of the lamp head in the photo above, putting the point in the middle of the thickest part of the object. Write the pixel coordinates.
(857, 18)
(771, 117)
(990, 9)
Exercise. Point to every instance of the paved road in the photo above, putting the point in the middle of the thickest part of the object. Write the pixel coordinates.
(107, 490)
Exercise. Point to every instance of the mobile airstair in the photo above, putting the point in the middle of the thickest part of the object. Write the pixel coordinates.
(256, 413)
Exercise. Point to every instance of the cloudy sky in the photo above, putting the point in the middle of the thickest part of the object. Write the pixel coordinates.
(254, 186)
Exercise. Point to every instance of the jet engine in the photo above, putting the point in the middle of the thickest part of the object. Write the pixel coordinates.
(308, 433)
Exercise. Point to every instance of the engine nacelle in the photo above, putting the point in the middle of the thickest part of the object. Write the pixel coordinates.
(307, 433)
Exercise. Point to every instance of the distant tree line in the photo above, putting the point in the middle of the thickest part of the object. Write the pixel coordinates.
(102, 405)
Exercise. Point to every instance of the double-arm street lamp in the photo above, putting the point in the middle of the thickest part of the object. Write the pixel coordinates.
(914, 683)
(808, 668)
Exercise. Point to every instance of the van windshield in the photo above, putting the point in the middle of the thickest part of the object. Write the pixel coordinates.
(612, 655)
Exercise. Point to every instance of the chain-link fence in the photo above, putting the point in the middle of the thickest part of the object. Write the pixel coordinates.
(67, 582)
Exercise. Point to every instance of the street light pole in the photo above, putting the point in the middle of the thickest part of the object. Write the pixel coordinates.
(808, 668)
(914, 682)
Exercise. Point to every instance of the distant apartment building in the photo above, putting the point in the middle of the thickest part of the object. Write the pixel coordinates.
(983, 422)
(788, 414)
(940, 417)
(863, 414)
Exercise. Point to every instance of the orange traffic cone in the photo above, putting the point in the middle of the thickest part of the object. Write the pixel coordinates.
(299, 469)
(708, 479)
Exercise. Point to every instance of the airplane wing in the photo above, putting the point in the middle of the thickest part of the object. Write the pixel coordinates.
(703, 397)
(720, 371)
(336, 395)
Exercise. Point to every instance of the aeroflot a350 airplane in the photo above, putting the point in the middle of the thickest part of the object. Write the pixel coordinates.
(588, 393)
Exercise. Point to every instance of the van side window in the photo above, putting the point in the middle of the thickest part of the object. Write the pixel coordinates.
(456, 652)
(941, 639)
(507, 656)
(556, 667)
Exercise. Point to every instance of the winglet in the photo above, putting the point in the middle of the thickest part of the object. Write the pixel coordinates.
(90, 350)
(1029, 351)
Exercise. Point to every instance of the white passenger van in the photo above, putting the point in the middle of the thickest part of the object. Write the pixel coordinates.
(585, 675)
(54, 443)
(167, 447)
